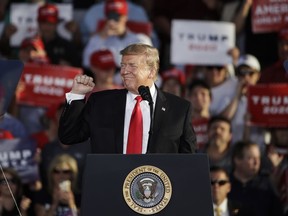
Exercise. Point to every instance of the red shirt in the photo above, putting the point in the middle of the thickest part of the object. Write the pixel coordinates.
(200, 128)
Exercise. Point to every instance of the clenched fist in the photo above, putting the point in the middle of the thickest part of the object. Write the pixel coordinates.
(82, 84)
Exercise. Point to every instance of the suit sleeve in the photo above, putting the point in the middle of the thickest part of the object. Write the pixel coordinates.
(188, 139)
(73, 123)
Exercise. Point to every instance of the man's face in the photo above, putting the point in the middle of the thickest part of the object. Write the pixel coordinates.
(200, 99)
(281, 137)
(249, 165)
(135, 72)
(116, 24)
(103, 76)
(248, 76)
(4, 187)
(47, 30)
(215, 75)
(172, 86)
(220, 186)
(219, 133)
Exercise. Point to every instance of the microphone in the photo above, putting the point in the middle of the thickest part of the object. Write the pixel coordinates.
(144, 91)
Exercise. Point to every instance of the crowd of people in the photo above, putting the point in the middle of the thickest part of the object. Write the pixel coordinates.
(248, 163)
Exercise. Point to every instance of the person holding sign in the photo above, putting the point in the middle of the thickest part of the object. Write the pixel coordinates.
(33, 50)
(59, 50)
(248, 74)
(114, 35)
(164, 120)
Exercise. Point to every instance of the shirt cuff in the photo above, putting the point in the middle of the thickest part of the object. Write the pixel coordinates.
(71, 96)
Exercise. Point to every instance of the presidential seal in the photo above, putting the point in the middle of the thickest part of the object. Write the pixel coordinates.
(147, 190)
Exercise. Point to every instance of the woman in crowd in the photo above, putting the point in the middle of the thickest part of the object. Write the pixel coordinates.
(61, 197)
(10, 205)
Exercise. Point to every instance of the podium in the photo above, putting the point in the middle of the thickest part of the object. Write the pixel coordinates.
(149, 184)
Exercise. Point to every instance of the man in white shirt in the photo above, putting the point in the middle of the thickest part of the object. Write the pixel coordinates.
(106, 117)
(96, 13)
(114, 35)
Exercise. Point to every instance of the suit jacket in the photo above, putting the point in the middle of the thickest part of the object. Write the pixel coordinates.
(102, 120)
(233, 208)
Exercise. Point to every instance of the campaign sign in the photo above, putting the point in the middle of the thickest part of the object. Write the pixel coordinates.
(268, 105)
(19, 154)
(45, 85)
(24, 17)
(9, 76)
(202, 42)
(269, 15)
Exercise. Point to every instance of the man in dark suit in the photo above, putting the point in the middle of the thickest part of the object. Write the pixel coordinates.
(105, 117)
(220, 188)
(251, 186)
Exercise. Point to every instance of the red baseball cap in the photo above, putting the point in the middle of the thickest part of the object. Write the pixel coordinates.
(103, 59)
(116, 6)
(5, 134)
(48, 13)
(34, 42)
(174, 73)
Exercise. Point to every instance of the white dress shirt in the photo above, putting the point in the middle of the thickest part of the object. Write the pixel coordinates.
(223, 207)
(130, 103)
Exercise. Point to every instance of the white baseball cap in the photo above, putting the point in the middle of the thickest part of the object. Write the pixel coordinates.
(250, 61)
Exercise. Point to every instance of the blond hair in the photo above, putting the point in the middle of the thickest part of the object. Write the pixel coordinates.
(59, 161)
(151, 54)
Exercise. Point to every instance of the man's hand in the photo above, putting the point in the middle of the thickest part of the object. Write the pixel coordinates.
(82, 84)
(9, 30)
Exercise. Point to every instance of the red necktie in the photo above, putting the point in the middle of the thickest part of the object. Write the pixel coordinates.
(134, 144)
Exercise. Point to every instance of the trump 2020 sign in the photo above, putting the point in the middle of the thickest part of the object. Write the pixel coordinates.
(268, 105)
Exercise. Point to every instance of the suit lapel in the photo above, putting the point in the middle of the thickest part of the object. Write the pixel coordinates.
(119, 115)
(233, 209)
(161, 108)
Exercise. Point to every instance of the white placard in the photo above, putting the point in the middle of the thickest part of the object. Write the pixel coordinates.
(24, 17)
(201, 42)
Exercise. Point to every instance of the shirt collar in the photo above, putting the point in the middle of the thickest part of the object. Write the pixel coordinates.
(153, 91)
(223, 206)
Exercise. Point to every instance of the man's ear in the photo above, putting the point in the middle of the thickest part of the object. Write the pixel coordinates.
(259, 76)
(152, 74)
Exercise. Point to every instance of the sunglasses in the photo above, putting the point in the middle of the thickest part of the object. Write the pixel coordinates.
(245, 72)
(10, 181)
(217, 67)
(113, 16)
(66, 172)
(219, 182)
